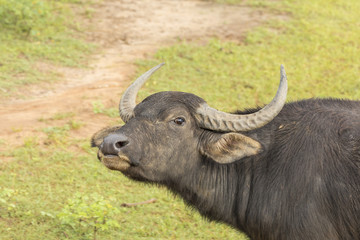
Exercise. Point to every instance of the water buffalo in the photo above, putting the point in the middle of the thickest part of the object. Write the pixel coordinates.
(285, 171)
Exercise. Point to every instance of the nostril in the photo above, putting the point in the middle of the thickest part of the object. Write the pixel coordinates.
(121, 144)
(113, 144)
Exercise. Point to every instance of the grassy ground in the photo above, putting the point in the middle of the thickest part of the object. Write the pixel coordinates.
(318, 44)
(49, 185)
(35, 36)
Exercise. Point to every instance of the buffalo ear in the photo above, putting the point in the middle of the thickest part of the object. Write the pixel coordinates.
(229, 147)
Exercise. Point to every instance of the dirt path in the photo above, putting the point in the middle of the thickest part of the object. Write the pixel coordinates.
(126, 30)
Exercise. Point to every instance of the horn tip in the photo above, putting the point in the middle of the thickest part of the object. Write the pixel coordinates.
(282, 71)
(157, 67)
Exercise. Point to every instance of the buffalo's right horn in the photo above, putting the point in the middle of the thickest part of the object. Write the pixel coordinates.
(128, 100)
(210, 118)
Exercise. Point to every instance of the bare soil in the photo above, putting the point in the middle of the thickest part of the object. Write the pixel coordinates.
(125, 30)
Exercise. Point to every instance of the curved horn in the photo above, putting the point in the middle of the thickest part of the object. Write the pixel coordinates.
(210, 118)
(127, 102)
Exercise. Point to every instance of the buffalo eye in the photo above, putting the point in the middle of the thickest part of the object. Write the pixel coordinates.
(179, 121)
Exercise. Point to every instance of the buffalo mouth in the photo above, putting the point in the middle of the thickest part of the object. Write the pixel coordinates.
(115, 162)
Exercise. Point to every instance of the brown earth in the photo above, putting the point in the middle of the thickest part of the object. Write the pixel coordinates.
(125, 30)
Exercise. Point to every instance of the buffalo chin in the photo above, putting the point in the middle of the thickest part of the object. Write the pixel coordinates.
(118, 163)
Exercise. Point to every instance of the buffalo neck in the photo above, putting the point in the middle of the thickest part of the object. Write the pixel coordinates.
(220, 192)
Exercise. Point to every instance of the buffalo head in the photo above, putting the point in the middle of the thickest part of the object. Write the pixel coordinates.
(169, 133)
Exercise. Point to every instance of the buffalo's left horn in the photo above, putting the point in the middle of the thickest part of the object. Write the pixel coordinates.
(128, 100)
(210, 118)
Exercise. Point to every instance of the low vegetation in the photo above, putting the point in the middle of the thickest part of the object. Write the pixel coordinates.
(317, 41)
(35, 36)
(54, 188)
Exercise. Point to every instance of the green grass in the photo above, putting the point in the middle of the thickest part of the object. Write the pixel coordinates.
(99, 108)
(35, 36)
(319, 46)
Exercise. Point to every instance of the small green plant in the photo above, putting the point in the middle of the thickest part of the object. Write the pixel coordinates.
(88, 213)
(62, 115)
(28, 152)
(58, 134)
(74, 125)
(10, 204)
(57, 116)
(99, 108)
(7, 202)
